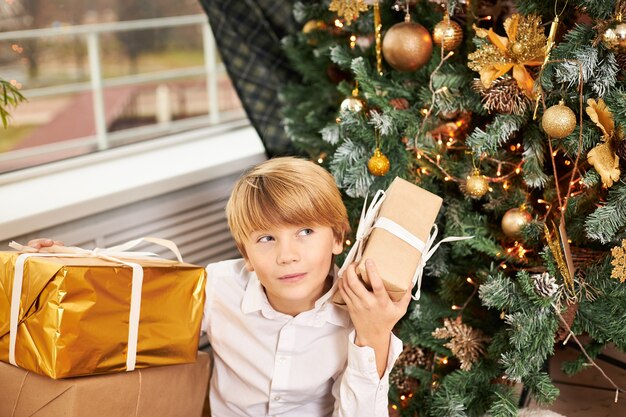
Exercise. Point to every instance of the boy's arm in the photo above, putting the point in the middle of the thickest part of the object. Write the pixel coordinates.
(373, 313)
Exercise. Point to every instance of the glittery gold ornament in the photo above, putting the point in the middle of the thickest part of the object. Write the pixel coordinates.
(349, 9)
(523, 47)
(447, 34)
(407, 46)
(378, 164)
(619, 262)
(604, 157)
(558, 121)
(476, 184)
(514, 220)
(466, 343)
(353, 104)
(615, 38)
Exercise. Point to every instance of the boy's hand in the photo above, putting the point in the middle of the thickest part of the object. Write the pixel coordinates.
(44, 243)
(373, 313)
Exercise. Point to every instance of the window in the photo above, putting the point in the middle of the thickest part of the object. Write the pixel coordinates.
(106, 73)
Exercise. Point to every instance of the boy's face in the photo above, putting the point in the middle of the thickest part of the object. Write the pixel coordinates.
(292, 263)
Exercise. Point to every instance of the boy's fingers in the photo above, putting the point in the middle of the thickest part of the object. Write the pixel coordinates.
(348, 295)
(354, 283)
(38, 243)
(375, 280)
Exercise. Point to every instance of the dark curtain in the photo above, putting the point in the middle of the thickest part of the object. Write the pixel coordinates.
(248, 34)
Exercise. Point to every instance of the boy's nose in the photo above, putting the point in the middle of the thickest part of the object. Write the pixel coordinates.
(287, 254)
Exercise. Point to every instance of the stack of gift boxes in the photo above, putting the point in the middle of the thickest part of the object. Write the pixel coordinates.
(100, 336)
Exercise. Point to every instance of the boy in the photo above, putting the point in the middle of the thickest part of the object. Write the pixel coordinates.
(280, 346)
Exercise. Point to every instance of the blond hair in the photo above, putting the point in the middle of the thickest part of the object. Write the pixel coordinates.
(285, 191)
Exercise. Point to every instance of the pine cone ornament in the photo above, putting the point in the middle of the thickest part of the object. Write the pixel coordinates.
(410, 356)
(545, 284)
(503, 96)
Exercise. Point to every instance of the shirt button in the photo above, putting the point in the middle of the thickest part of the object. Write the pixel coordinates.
(276, 398)
(281, 359)
(372, 359)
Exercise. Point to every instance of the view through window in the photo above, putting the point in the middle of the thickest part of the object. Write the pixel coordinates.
(103, 73)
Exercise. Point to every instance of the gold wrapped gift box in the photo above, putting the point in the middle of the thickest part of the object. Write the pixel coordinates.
(415, 210)
(163, 391)
(74, 314)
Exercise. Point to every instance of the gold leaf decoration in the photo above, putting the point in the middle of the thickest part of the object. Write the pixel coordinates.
(604, 157)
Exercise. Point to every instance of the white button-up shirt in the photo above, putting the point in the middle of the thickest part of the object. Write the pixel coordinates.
(267, 363)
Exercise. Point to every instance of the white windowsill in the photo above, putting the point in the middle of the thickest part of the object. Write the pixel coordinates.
(111, 179)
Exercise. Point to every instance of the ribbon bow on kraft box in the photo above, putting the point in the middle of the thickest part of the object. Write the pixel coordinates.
(80, 312)
(395, 232)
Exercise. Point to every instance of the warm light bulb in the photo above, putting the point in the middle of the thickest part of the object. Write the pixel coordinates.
(338, 23)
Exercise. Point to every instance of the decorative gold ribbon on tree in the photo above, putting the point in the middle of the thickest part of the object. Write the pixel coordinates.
(523, 47)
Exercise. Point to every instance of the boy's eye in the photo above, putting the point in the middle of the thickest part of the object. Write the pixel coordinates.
(305, 232)
(265, 239)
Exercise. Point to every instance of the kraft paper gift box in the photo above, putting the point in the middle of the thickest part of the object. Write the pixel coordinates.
(75, 318)
(163, 391)
(412, 208)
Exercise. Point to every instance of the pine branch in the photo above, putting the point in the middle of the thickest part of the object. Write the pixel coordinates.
(598, 9)
(10, 97)
(534, 157)
(604, 223)
(496, 133)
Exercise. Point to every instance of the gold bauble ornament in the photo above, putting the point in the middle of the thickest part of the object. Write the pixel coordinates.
(558, 121)
(476, 184)
(615, 38)
(514, 220)
(312, 25)
(352, 104)
(378, 164)
(447, 34)
(407, 46)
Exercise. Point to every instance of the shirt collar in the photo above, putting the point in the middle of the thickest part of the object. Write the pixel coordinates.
(255, 299)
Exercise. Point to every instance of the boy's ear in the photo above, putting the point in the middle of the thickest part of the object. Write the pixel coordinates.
(249, 266)
(337, 246)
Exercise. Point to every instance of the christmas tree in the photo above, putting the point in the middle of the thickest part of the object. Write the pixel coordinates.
(513, 112)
